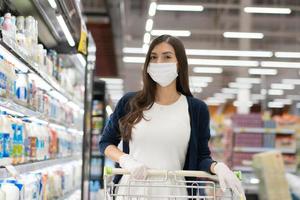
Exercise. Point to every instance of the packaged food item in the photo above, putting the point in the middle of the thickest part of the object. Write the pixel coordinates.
(53, 146)
(20, 34)
(6, 135)
(32, 139)
(32, 94)
(21, 89)
(12, 189)
(3, 77)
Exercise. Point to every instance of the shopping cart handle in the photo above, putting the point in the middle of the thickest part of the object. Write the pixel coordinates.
(108, 171)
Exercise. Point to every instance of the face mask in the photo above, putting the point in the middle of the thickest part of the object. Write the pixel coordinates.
(163, 73)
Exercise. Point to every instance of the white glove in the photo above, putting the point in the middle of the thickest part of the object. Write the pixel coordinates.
(228, 179)
(137, 170)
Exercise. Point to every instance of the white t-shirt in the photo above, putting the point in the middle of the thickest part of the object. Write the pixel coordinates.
(161, 142)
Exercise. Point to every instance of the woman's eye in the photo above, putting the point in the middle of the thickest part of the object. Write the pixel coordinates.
(168, 57)
(152, 57)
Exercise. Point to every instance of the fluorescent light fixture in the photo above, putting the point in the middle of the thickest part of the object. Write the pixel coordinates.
(273, 104)
(230, 90)
(128, 59)
(281, 54)
(65, 29)
(196, 90)
(277, 64)
(108, 110)
(267, 10)
(284, 101)
(58, 96)
(214, 100)
(291, 81)
(12, 59)
(198, 84)
(242, 103)
(52, 3)
(247, 35)
(259, 71)
(258, 97)
(152, 9)
(275, 92)
(145, 47)
(248, 80)
(114, 87)
(134, 50)
(282, 86)
(208, 70)
(207, 79)
(224, 96)
(112, 80)
(240, 85)
(149, 25)
(231, 53)
(147, 38)
(180, 33)
(73, 105)
(237, 63)
(81, 59)
(254, 180)
(170, 7)
(39, 82)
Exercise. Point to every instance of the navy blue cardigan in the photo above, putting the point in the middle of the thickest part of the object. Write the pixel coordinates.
(198, 154)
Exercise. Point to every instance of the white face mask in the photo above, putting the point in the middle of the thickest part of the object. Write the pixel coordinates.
(163, 73)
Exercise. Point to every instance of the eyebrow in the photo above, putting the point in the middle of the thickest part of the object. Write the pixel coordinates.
(167, 52)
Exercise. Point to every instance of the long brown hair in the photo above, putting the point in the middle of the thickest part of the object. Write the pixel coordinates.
(144, 99)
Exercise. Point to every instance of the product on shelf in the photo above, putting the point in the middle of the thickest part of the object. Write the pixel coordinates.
(249, 140)
(247, 120)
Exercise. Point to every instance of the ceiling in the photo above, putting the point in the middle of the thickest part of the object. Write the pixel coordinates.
(281, 34)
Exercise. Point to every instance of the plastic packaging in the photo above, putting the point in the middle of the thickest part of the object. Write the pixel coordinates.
(11, 190)
(21, 89)
(3, 77)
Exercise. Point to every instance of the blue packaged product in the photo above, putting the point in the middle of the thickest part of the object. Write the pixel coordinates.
(6, 145)
(1, 145)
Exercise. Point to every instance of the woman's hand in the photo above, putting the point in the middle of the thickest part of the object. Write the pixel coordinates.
(228, 179)
(137, 170)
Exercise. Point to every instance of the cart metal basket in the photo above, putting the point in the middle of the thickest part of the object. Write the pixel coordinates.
(206, 187)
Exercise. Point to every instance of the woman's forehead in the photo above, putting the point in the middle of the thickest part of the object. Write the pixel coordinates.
(163, 47)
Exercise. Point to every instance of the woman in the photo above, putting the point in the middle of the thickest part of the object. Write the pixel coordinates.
(163, 125)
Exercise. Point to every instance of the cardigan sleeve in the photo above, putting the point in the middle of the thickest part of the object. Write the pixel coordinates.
(111, 132)
(204, 158)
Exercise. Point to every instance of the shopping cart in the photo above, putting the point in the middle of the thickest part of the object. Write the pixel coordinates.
(204, 188)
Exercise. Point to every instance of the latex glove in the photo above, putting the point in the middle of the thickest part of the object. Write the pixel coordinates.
(137, 170)
(228, 179)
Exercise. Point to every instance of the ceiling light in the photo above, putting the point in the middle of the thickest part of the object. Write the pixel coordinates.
(248, 80)
(65, 29)
(231, 53)
(275, 92)
(295, 65)
(147, 38)
(128, 59)
(230, 90)
(267, 10)
(152, 9)
(170, 7)
(240, 85)
(214, 101)
(181, 33)
(145, 48)
(114, 87)
(201, 79)
(198, 84)
(291, 81)
(58, 96)
(287, 54)
(224, 96)
(81, 59)
(237, 63)
(112, 80)
(208, 70)
(273, 104)
(242, 103)
(258, 97)
(247, 35)
(149, 25)
(258, 71)
(284, 101)
(282, 86)
(196, 90)
(52, 4)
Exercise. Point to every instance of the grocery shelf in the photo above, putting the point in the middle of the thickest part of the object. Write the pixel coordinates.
(263, 130)
(33, 68)
(262, 149)
(33, 166)
(68, 195)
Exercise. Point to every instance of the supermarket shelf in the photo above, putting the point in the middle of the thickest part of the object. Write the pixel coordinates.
(33, 68)
(263, 130)
(68, 195)
(262, 149)
(28, 167)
